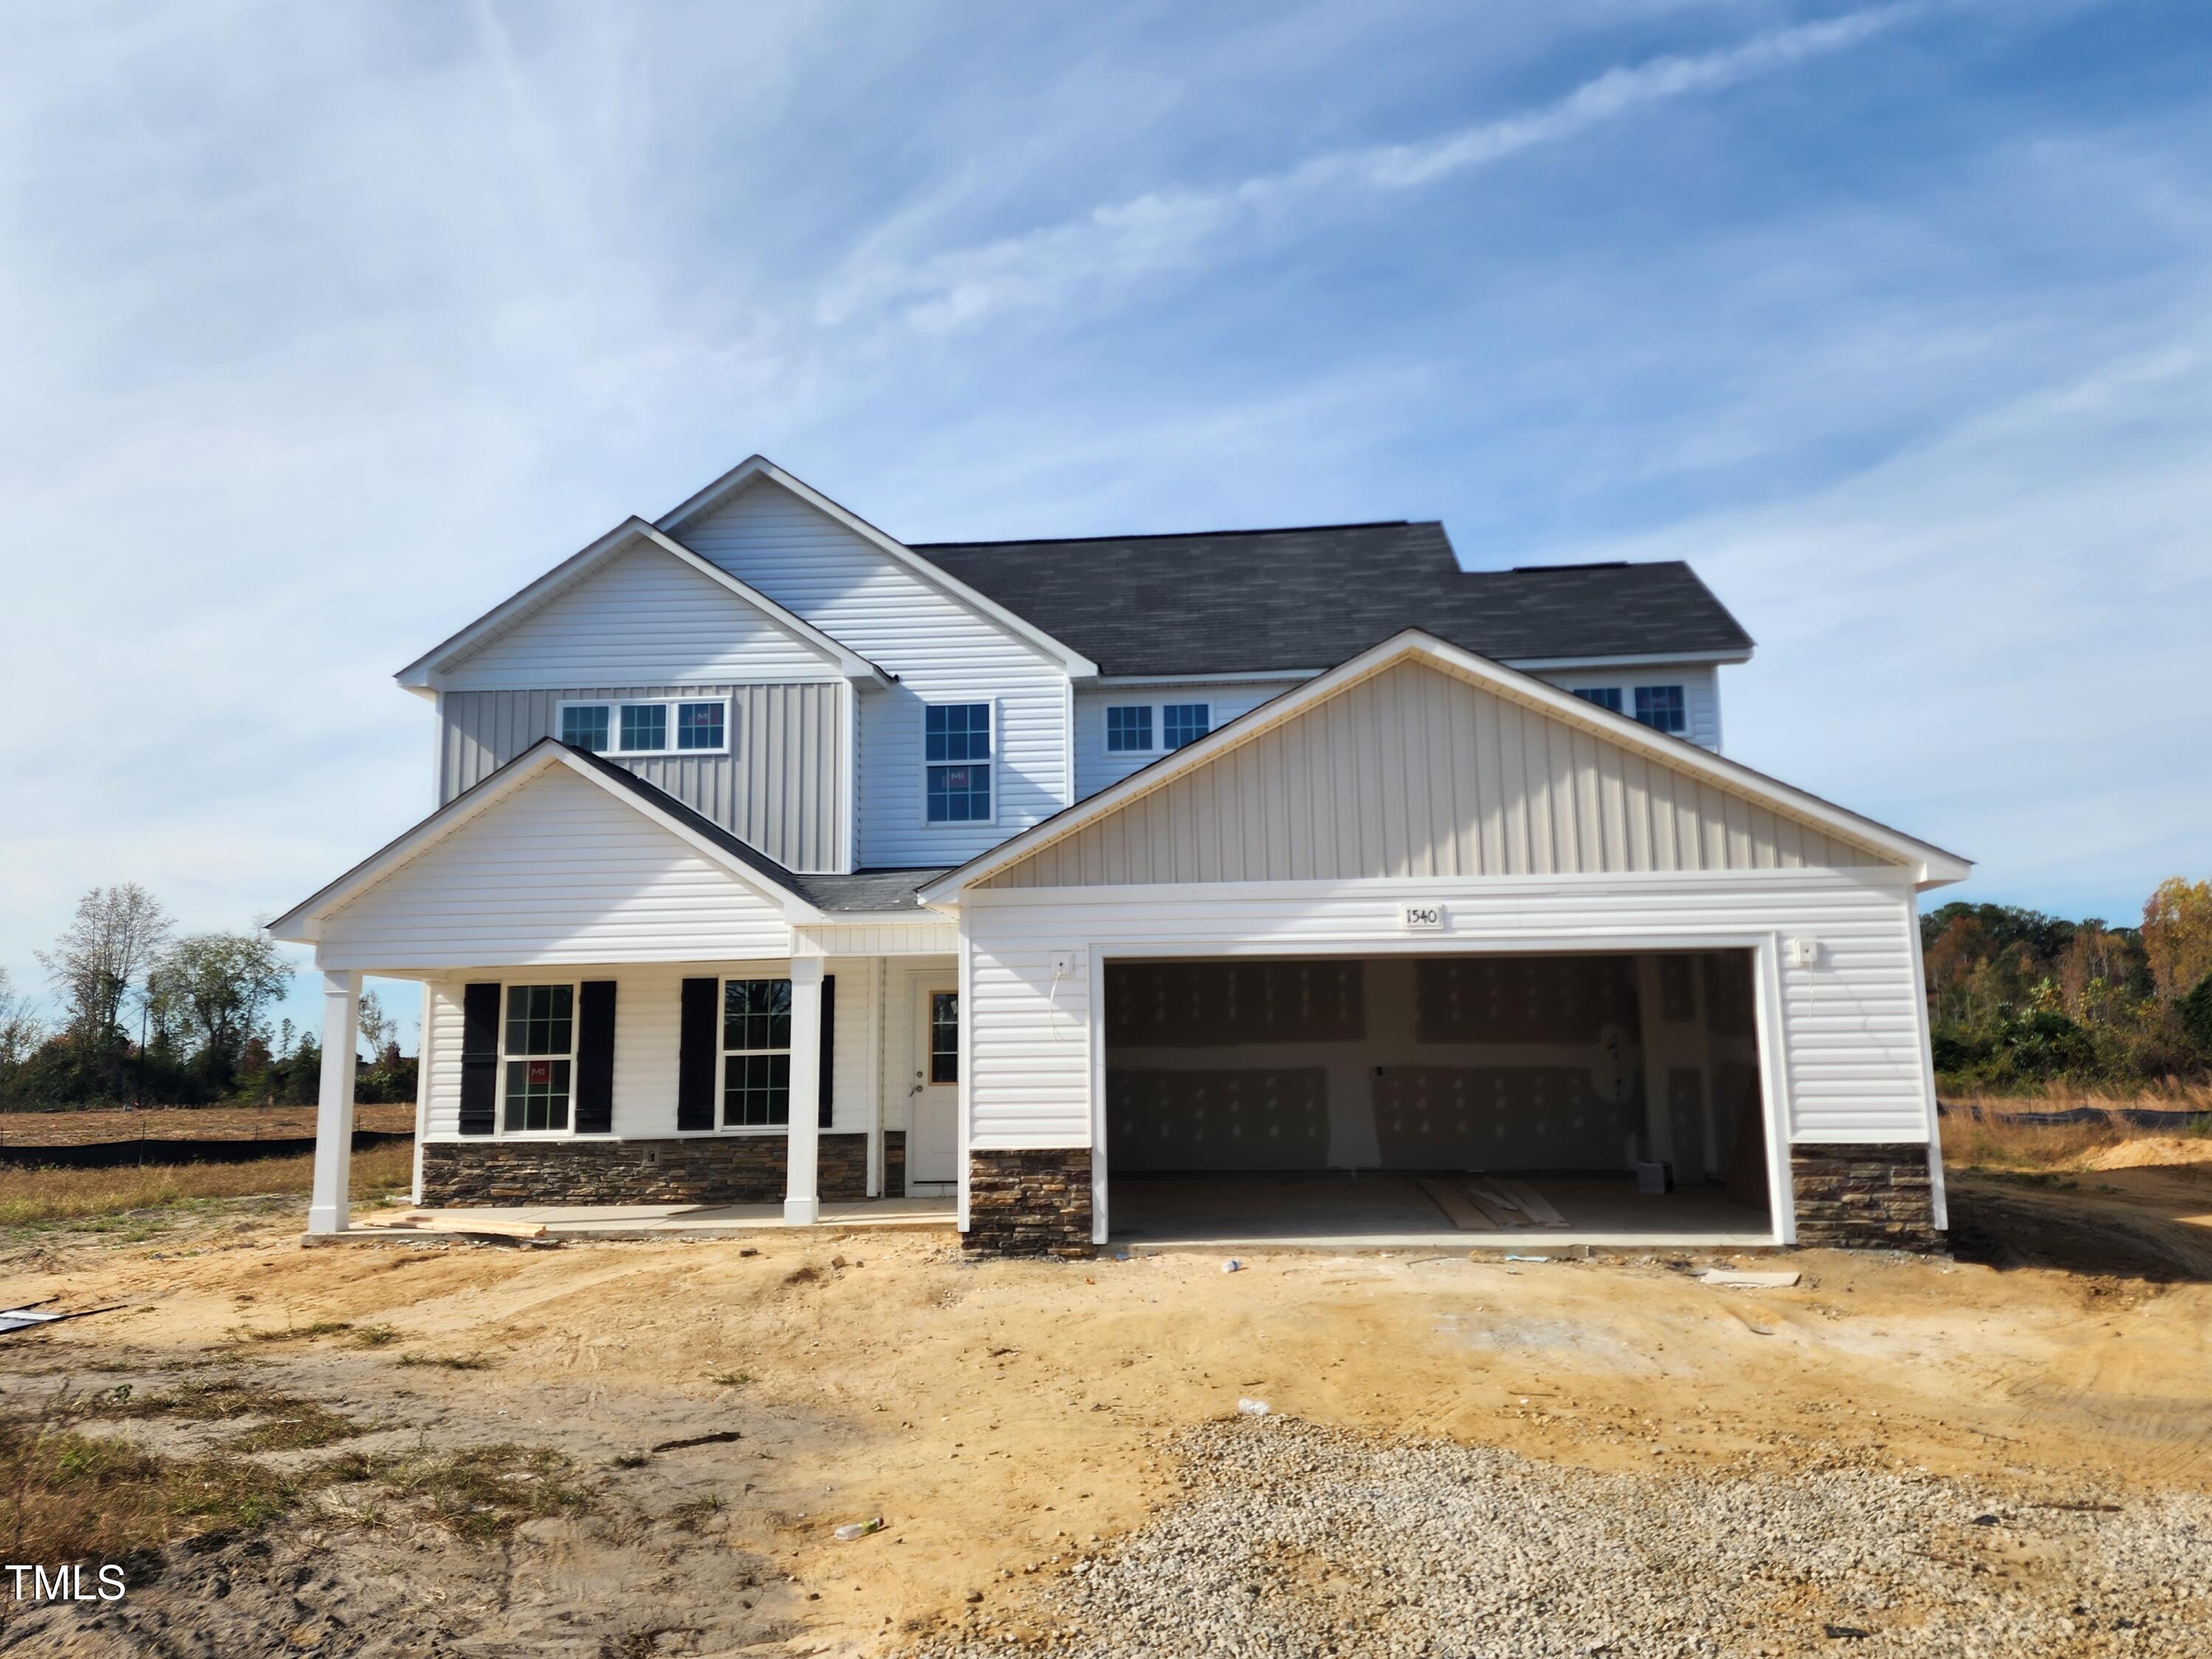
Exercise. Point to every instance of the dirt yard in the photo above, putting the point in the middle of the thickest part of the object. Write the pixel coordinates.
(625, 1449)
(185, 1123)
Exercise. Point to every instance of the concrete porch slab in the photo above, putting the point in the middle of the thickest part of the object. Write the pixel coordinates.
(1345, 1211)
(663, 1221)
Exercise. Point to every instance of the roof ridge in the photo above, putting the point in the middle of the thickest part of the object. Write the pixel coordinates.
(1178, 534)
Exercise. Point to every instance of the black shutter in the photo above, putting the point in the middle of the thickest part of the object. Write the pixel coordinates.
(479, 1058)
(698, 1054)
(829, 1038)
(595, 1057)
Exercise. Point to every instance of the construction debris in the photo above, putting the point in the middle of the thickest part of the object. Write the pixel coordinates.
(1734, 1278)
(28, 1318)
(431, 1221)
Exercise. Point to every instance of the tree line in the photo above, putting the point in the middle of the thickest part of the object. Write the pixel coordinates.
(153, 1016)
(2018, 997)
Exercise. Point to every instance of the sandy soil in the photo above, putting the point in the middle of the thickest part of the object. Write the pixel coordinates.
(185, 1123)
(999, 1415)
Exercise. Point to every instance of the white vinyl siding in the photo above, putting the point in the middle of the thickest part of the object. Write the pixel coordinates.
(647, 1032)
(644, 616)
(1851, 1028)
(560, 871)
(776, 788)
(1096, 766)
(1701, 692)
(939, 650)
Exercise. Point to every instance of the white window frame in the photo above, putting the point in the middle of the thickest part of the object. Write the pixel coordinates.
(507, 989)
(989, 762)
(725, 1054)
(1159, 723)
(1680, 687)
(614, 706)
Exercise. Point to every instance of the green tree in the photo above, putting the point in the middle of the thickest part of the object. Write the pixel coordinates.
(2176, 935)
(221, 983)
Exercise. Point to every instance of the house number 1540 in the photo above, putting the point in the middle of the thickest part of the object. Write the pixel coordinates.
(1423, 918)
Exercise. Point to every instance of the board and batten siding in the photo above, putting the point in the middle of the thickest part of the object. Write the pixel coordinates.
(939, 650)
(1414, 772)
(647, 1033)
(558, 870)
(776, 789)
(1701, 683)
(1096, 766)
(643, 616)
(1851, 1028)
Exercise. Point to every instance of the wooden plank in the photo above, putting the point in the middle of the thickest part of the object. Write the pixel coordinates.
(1540, 1208)
(1502, 1211)
(1458, 1209)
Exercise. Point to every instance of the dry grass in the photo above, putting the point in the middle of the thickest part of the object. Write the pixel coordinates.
(1989, 1143)
(32, 1197)
(185, 1123)
(481, 1492)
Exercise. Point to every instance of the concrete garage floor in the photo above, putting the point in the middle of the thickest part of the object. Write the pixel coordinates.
(1340, 1210)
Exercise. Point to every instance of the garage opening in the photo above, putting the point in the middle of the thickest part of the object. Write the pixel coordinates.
(1539, 1099)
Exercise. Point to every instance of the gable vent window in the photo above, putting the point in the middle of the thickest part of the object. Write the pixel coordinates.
(957, 758)
(1660, 708)
(1605, 696)
(1184, 722)
(656, 725)
(1129, 728)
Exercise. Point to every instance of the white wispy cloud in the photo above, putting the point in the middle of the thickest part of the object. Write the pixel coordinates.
(1119, 242)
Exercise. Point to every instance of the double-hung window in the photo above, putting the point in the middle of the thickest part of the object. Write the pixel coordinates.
(1184, 722)
(956, 740)
(1129, 728)
(538, 1058)
(755, 1054)
(1660, 708)
(1605, 696)
(648, 725)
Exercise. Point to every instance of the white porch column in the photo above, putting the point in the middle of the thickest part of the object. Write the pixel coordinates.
(803, 1140)
(326, 1212)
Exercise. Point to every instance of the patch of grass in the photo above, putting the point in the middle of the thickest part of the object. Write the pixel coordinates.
(630, 1459)
(375, 1336)
(302, 1424)
(483, 1493)
(731, 1379)
(694, 1514)
(288, 1423)
(452, 1362)
(300, 1332)
(50, 1197)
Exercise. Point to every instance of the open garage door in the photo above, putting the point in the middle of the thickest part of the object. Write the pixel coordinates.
(1547, 1095)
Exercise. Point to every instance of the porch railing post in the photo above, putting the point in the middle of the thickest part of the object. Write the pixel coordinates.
(327, 1209)
(802, 1153)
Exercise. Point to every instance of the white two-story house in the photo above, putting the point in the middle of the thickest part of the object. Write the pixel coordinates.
(775, 860)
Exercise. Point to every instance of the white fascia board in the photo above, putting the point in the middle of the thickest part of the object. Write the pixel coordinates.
(301, 925)
(756, 467)
(1932, 865)
(1651, 659)
(422, 674)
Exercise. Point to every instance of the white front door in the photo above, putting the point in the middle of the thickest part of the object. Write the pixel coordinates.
(933, 1143)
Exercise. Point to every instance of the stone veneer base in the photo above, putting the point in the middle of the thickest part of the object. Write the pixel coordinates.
(1032, 1202)
(1880, 1197)
(690, 1169)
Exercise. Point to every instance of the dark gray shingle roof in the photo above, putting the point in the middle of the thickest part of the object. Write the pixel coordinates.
(1236, 601)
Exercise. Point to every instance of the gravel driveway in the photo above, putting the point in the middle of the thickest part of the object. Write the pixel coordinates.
(1296, 1540)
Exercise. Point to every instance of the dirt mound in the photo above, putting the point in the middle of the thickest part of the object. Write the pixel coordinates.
(2152, 1151)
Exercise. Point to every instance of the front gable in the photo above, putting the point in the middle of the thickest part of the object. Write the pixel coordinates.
(557, 868)
(1424, 762)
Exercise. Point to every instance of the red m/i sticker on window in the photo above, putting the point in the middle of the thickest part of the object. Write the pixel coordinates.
(541, 1073)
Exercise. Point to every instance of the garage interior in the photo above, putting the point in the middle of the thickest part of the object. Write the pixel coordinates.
(1522, 1101)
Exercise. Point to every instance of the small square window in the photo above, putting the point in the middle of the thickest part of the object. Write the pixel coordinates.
(1184, 722)
(1129, 728)
(584, 725)
(757, 1014)
(699, 725)
(1605, 696)
(540, 1018)
(644, 726)
(959, 794)
(957, 731)
(1660, 708)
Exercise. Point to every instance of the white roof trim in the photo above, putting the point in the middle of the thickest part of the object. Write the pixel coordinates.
(1932, 865)
(425, 671)
(755, 467)
(303, 924)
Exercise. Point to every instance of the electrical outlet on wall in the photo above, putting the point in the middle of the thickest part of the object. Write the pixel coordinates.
(1063, 965)
(1804, 953)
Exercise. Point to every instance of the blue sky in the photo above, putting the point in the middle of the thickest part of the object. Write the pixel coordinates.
(326, 327)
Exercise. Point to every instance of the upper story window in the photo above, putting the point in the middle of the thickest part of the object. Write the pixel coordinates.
(1129, 728)
(656, 725)
(1660, 708)
(956, 739)
(1130, 725)
(1605, 696)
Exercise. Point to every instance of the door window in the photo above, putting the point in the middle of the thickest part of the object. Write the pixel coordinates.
(944, 1036)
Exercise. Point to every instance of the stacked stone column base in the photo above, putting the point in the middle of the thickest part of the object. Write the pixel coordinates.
(1032, 1202)
(1864, 1197)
